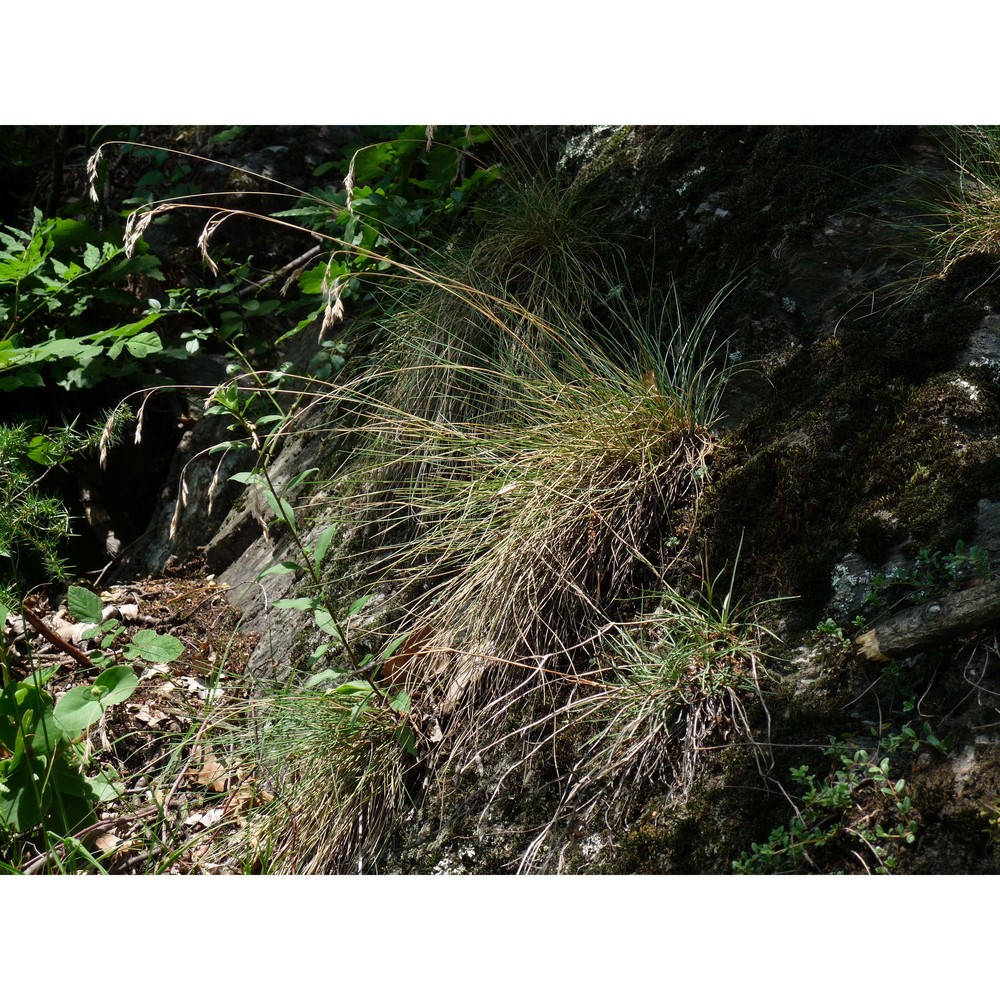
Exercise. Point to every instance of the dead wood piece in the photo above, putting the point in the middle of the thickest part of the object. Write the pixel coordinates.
(932, 623)
(39, 626)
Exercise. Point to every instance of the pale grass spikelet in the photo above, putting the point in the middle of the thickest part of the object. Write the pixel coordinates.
(429, 133)
(106, 436)
(182, 500)
(136, 225)
(206, 234)
(349, 183)
(93, 164)
(334, 311)
(176, 518)
(139, 418)
(214, 485)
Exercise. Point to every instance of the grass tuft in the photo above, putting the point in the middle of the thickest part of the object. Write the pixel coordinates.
(335, 770)
(956, 215)
(668, 687)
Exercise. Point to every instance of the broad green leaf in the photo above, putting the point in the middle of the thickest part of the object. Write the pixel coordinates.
(299, 479)
(68, 780)
(28, 380)
(144, 344)
(147, 645)
(281, 508)
(401, 702)
(79, 708)
(76, 349)
(322, 677)
(19, 798)
(103, 787)
(354, 687)
(318, 654)
(129, 329)
(360, 603)
(228, 133)
(84, 605)
(311, 281)
(404, 737)
(279, 569)
(37, 680)
(227, 446)
(83, 706)
(247, 478)
(323, 544)
(118, 683)
(139, 346)
(49, 733)
(326, 622)
(393, 646)
(297, 603)
(91, 257)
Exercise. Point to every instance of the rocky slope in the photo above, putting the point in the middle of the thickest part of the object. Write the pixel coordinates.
(857, 472)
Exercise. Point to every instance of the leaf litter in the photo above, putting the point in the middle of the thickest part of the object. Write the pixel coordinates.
(179, 785)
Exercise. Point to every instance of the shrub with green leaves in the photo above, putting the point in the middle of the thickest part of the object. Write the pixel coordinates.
(47, 784)
(934, 573)
(62, 299)
(32, 525)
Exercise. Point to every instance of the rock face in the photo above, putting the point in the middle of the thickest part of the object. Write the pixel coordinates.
(865, 436)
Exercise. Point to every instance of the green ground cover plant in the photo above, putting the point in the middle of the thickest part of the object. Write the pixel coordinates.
(34, 521)
(858, 815)
(48, 785)
(55, 287)
(934, 573)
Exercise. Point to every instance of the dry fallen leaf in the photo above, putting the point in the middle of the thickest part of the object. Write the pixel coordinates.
(206, 818)
(196, 687)
(107, 842)
(153, 670)
(211, 773)
(149, 715)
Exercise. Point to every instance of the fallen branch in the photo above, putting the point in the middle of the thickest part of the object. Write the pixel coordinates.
(932, 623)
(39, 626)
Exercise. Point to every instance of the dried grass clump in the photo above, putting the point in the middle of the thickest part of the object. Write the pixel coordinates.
(517, 530)
(336, 768)
(954, 217)
(667, 687)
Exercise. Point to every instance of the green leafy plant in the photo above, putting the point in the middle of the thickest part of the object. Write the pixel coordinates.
(397, 192)
(857, 813)
(49, 308)
(45, 787)
(145, 644)
(934, 574)
(34, 522)
(831, 635)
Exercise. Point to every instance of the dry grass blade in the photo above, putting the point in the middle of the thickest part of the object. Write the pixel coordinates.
(674, 684)
(336, 774)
